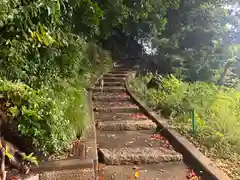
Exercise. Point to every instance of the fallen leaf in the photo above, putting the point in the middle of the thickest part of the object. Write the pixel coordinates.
(113, 176)
(137, 175)
(100, 177)
(135, 167)
(150, 144)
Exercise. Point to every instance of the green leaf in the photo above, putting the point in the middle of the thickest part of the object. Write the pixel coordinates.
(10, 156)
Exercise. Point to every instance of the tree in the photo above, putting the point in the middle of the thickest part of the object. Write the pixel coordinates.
(195, 32)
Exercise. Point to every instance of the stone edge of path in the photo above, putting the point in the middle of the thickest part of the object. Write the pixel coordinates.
(184, 146)
(53, 168)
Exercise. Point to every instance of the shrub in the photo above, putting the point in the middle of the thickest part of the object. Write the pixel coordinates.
(37, 116)
(46, 64)
(217, 111)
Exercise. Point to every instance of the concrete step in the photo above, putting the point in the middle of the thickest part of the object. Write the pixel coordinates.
(119, 116)
(126, 125)
(110, 84)
(109, 89)
(111, 96)
(114, 104)
(114, 79)
(134, 147)
(116, 75)
(136, 155)
(122, 109)
(115, 107)
(76, 174)
(161, 171)
(131, 139)
(120, 71)
(119, 94)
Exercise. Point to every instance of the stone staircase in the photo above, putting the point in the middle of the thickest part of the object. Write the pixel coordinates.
(128, 144)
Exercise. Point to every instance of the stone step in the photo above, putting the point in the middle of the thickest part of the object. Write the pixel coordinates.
(115, 107)
(110, 84)
(131, 139)
(119, 94)
(109, 89)
(114, 104)
(114, 79)
(115, 75)
(123, 71)
(122, 109)
(135, 155)
(161, 171)
(119, 116)
(126, 125)
(110, 96)
(76, 174)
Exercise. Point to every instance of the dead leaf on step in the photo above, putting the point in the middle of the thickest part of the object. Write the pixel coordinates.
(15, 178)
(100, 178)
(135, 167)
(113, 176)
(137, 175)
(161, 171)
(88, 148)
(101, 167)
(113, 136)
(150, 144)
(130, 142)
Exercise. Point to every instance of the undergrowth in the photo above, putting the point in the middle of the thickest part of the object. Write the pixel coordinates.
(52, 111)
(46, 63)
(217, 111)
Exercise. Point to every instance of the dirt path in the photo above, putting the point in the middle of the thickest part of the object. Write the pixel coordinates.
(128, 145)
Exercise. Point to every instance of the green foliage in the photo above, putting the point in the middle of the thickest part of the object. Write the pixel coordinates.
(29, 158)
(86, 16)
(39, 117)
(55, 114)
(198, 34)
(139, 19)
(10, 156)
(217, 110)
(45, 65)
